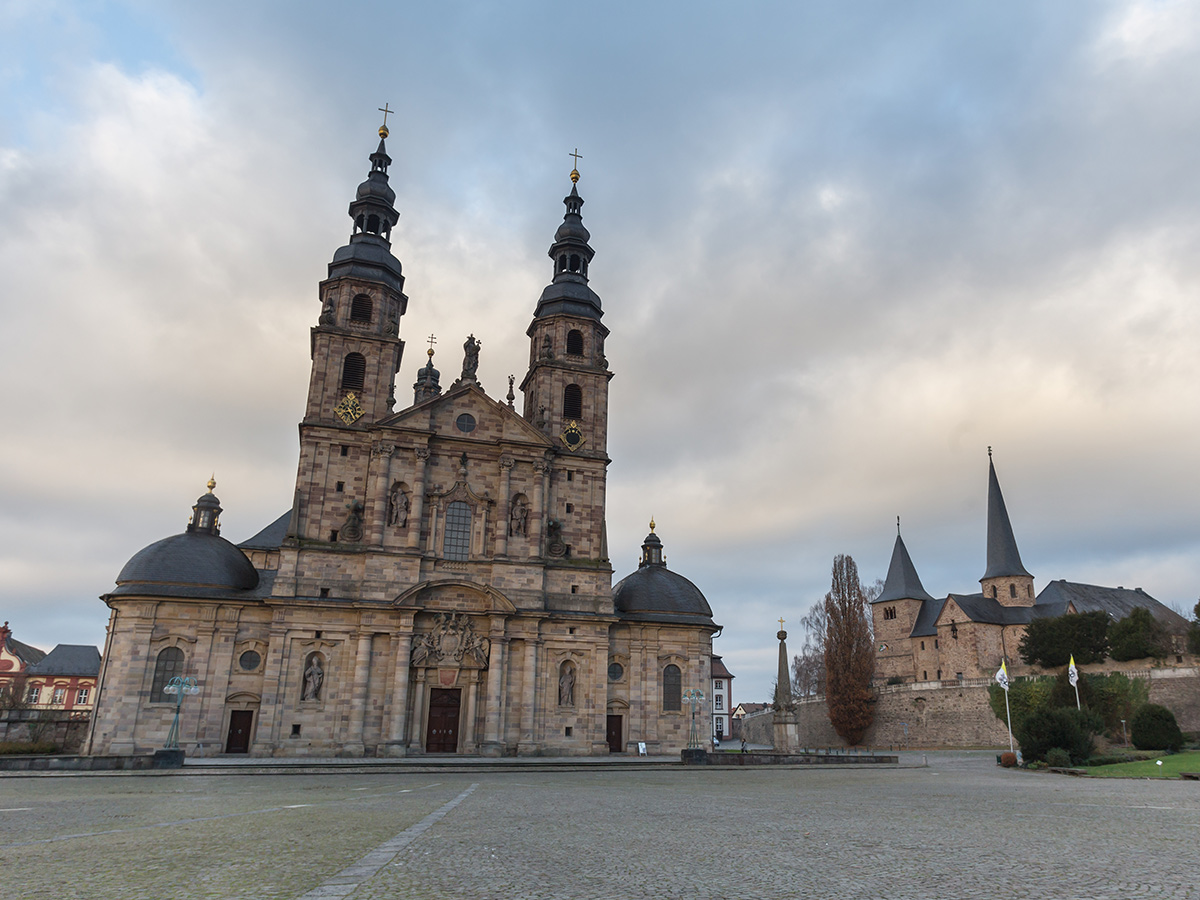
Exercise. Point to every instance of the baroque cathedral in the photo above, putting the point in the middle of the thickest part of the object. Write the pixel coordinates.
(441, 582)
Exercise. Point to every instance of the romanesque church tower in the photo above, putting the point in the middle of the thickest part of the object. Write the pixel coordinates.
(1005, 580)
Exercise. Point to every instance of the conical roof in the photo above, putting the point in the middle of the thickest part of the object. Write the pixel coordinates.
(902, 582)
(1003, 558)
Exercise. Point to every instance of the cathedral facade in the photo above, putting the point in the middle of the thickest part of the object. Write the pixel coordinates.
(441, 582)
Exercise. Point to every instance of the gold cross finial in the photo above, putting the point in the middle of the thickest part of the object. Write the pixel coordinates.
(383, 129)
(575, 170)
(432, 341)
(781, 623)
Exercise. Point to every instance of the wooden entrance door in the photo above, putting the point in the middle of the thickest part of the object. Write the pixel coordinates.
(240, 721)
(442, 736)
(615, 744)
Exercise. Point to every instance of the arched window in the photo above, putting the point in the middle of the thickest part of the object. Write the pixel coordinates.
(354, 369)
(574, 263)
(1012, 589)
(168, 665)
(993, 592)
(358, 223)
(573, 402)
(372, 224)
(457, 544)
(672, 689)
(562, 262)
(360, 309)
(574, 342)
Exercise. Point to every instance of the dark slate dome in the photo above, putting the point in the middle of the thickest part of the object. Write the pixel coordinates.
(199, 557)
(655, 593)
(191, 558)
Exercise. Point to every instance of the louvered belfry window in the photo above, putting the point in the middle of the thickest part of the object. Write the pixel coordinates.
(354, 370)
(573, 402)
(360, 308)
(574, 342)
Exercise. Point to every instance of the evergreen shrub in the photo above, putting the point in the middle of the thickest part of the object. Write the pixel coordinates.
(1068, 729)
(1154, 728)
(1058, 757)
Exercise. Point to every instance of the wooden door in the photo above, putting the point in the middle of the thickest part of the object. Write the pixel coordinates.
(442, 734)
(240, 721)
(615, 744)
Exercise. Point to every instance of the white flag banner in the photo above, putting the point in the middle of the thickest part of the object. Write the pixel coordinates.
(1072, 672)
(1002, 677)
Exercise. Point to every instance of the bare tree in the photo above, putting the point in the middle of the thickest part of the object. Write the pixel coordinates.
(808, 666)
(849, 653)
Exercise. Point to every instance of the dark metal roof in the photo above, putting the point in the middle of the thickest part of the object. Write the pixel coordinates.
(69, 659)
(23, 651)
(719, 670)
(1118, 602)
(190, 559)
(926, 617)
(902, 581)
(271, 537)
(656, 594)
(1002, 555)
(988, 610)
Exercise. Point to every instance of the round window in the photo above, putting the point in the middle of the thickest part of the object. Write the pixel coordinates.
(250, 660)
(615, 671)
(465, 423)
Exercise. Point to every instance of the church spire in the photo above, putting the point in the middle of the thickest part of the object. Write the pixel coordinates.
(1003, 558)
(902, 582)
(572, 254)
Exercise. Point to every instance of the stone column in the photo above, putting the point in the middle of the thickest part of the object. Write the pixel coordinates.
(468, 738)
(529, 706)
(506, 465)
(377, 505)
(353, 745)
(401, 651)
(415, 737)
(274, 694)
(416, 515)
(493, 725)
(538, 513)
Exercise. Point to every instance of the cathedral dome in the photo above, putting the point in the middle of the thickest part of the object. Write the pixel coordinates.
(198, 557)
(655, 593)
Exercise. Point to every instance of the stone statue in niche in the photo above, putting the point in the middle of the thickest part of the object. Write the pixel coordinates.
(518, 519)
(352, 531)
(547, 349)
(314, 677)
(566, 685)
(470, 358)
(451, 641)
(328, 315)
(540, 421)
(398, 506)
(393, 323)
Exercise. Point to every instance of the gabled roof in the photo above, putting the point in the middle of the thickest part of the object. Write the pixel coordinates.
(990, 611)
(902, 581)
(719, 670)
(926, 623)
(1118, 602)
(512, 426)
(271, 537)
(69, 659)
(1003, 558)
(22, 651)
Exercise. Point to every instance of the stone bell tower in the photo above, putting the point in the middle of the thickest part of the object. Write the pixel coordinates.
(566, 387)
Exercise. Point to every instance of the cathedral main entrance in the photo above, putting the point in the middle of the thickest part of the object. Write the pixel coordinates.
(614, 734)
(442, 734)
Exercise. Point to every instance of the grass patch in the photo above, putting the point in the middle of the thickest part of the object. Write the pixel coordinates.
(1171, 766)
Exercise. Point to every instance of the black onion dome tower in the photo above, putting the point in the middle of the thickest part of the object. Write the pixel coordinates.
(656, 594)
(191, 563)
(356, 346)
(566, 387)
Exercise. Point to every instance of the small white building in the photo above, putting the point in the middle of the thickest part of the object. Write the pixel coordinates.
(722, 700)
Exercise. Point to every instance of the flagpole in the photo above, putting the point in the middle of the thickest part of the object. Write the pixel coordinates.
(1073, 677)
(1008, 713)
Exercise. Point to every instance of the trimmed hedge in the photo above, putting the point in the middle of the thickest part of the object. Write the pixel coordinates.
(1154, 728)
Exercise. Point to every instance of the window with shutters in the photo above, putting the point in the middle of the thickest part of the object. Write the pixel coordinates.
(575, 342)
(354, 370)
(573, 402)
(360, 308)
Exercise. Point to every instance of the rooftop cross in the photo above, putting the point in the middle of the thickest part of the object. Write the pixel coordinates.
(781, 623)
(432, 341)
(575, 171)
(383, 129)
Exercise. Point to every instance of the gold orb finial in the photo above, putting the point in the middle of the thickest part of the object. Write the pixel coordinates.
(212, 482)
(574, 176)
(383, 132)
(652, 524)
(430, 352)
(575, 170)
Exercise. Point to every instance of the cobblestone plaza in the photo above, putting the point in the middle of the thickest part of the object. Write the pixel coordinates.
(960, 827)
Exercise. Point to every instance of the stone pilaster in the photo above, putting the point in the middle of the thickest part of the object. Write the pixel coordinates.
(416, 515)
(353, 745)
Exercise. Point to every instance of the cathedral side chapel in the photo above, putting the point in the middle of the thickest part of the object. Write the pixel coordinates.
(441, 583)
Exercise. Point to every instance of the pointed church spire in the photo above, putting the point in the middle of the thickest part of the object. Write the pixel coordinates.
(902, 582)
(1003, 558)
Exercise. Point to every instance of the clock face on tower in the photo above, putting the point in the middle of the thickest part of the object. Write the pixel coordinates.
(349, 410)
(572, 436)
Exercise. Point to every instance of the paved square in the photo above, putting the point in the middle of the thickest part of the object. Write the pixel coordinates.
(960, 828)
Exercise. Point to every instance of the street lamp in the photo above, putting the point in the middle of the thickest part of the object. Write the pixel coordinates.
(695, 698)
(178, 686)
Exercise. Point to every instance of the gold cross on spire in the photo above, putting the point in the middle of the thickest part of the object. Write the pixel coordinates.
(781, 623)
(575, 171)
(383, 129)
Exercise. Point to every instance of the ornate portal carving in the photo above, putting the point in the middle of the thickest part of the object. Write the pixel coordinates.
(451, 641)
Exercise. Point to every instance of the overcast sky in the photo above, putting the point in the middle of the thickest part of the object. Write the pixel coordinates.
(842, 249)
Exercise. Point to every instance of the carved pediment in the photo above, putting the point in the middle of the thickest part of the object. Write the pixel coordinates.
(455, 596)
